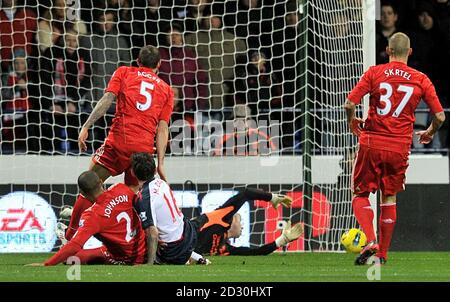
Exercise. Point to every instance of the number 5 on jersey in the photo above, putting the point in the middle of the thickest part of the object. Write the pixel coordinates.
(385, 98)
(145, 91)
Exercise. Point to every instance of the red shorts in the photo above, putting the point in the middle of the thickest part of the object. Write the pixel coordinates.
(117, 160)
(375, 169)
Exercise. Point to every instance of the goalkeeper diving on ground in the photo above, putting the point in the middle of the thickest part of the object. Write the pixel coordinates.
(212, 230)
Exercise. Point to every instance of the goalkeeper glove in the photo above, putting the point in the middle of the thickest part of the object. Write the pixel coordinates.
(285, 200)
(289, 234)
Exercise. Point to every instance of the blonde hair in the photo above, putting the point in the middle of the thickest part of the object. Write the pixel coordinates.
(399, 44)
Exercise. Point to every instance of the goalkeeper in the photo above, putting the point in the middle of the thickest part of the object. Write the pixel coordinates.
(224, 223)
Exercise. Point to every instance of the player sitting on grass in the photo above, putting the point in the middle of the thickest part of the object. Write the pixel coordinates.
(171, 237)
(111, 219)
(206, 234)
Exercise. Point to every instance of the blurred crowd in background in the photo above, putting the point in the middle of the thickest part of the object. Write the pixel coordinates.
(427, 23)
(224, 60)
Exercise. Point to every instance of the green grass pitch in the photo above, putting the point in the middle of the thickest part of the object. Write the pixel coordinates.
(289, 267)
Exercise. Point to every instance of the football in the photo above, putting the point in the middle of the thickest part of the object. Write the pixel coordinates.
(353, 240)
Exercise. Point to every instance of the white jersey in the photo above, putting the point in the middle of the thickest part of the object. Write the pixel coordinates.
(159, 208)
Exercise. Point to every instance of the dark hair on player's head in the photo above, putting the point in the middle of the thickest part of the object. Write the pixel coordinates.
(149, 56)
(89, 182)
(143, 165)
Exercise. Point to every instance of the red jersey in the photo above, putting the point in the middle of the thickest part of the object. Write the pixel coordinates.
(395, 91)
(142, 100)
(20, 97)
(113, 220)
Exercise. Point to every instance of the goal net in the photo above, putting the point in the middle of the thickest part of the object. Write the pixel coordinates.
(259, 87)
(335, 63)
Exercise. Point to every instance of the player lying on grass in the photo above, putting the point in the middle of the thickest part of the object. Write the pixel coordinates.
(111, 219)
(217, 227)
(206, 234)
(213, 237)
(385, 140)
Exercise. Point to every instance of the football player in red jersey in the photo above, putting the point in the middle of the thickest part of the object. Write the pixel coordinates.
(144, 104)
(385, 138)
(111, 219)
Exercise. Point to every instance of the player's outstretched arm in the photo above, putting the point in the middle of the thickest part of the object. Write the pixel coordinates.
(354, 123)
(152, 243)
(162, 137)
(289, 234)
(426, 136)
(99, 111)
(70, 249)
(90, 227)
(263, 250)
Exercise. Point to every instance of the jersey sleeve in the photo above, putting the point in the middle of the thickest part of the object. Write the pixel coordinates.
(70, 249)
(144, 209)
(168, 107)
(430, 97)
(115, 83)
(90, 225)
(362, 88)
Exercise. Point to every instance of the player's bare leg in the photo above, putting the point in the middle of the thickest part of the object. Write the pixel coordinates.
(101, 171)
(388, 218)
(364, 215)
(81, 204)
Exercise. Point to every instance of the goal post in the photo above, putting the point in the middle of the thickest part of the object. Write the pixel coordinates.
(371, 11)
(341, 45)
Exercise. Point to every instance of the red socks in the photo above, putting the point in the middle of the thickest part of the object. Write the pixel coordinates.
(364, 214)
(388, 217)
(80, 205)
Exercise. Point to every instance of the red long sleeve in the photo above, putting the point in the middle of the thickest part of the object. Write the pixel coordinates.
(88, 228)
(65, 252)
